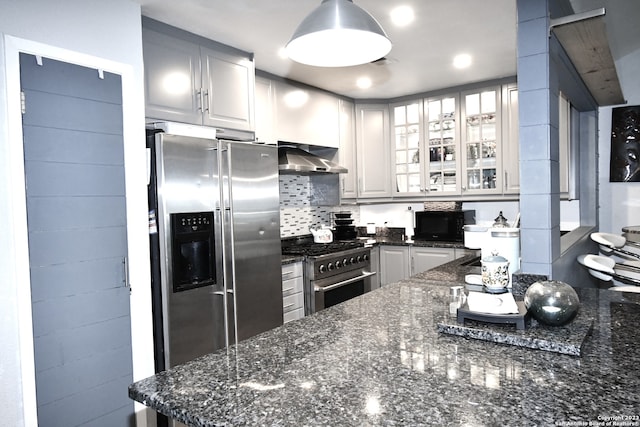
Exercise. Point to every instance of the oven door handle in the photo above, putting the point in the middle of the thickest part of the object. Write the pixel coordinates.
(344, 282)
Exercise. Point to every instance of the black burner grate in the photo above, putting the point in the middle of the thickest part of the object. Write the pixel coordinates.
(314, 249)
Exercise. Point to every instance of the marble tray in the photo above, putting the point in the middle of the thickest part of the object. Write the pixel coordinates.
(566, 339)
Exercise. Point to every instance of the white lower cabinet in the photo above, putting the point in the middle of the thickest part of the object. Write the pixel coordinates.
(292, 291)
(394, 264)
(423, 259)
(400, 262)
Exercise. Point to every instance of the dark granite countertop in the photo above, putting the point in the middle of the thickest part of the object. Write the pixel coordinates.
(392, 240)
(395, 236)
(379, 360)
(419, 243)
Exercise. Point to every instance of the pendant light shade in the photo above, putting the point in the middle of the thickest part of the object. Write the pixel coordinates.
(338, 34)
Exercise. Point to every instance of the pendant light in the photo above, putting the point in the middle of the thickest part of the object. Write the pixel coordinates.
(338, 34)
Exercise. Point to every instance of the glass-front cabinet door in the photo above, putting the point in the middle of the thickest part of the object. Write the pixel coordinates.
(406, 143)
(481, 141)
(442, 143)
(448, 145)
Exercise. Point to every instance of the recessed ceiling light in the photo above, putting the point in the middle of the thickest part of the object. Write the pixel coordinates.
(364, 82)
(402, 16)
(462, 61)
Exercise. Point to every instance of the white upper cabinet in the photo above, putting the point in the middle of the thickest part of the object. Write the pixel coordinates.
(265, 111)
(510, 140)
(228, 82)
(172, 78)
(452, 145)
(442, 145)
(347, 151)
(191, 82)
(406, 148)
(306, 116)
(481, 142)
(372, 151)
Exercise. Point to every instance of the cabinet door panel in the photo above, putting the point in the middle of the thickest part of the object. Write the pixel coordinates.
(423, 259)
(481, 131)
(347, 152)
(405, 148)
(307, 116)
(265, 111)
(229, 85)
(394, 264)
(172, 78)
(442, 154)
(373, 151)
(511, 143)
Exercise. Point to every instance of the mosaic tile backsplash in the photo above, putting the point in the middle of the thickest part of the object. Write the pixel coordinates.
(296, 212)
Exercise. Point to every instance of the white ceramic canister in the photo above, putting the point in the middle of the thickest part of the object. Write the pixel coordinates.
(505, 241)
(475, 236)
(495, 273)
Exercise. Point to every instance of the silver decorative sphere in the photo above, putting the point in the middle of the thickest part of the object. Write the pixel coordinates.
(552, 302)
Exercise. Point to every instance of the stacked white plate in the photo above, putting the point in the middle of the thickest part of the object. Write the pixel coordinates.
(605, 268)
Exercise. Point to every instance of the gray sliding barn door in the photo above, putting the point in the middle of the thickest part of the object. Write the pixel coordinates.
(75, 190)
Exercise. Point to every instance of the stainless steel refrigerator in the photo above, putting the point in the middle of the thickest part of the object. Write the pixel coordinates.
(215, 244)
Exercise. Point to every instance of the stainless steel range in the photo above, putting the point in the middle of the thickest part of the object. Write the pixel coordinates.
(334, 272)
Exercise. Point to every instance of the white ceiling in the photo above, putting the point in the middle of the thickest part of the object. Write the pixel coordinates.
(422, 53)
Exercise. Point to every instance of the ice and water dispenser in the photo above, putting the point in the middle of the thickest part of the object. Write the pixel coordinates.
(193, 250)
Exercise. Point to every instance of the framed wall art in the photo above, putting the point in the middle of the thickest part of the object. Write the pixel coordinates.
(625, 145)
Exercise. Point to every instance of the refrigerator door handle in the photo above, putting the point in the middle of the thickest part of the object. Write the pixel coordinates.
(229, 274)
(217, 219)
(225, 178)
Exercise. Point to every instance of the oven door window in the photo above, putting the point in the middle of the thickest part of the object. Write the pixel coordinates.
(329, 292)
(343, 293)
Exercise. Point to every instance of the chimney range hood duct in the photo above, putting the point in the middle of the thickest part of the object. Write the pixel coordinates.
(296, 161)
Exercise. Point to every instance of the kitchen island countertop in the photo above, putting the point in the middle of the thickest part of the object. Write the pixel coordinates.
(379, 360)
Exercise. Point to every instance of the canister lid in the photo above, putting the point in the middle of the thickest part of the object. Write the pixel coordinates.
(494, 257)
(500, 221)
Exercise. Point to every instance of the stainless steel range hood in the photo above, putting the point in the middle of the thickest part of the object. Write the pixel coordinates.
(296, 161)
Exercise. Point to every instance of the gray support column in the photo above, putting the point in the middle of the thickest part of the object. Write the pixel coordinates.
(539, 140)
